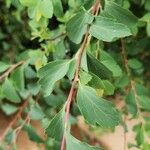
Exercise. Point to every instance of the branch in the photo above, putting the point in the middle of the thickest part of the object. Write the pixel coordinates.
(12, 67)
(95, 10)
(53, 39)
(15, 119)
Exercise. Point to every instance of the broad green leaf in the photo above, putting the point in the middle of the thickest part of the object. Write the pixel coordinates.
(134, 63)
(29, 3)
(107, 29)
(139, 134)
(55, 100)
(51, 73)
(141, 89)
(144, 102)
(74, 144)
(109, 88)
(96, 82)
(9, 109)
(3, 66)
(77, 26)
(58, 8)
(110, 63)
(46, 8)
(103, 113)
(122, 81)
(56, 127)
(120, 14)
(10, 92)
(18, 78)
(36, 113)
(84, 77)
(32, 134)
(96, 67)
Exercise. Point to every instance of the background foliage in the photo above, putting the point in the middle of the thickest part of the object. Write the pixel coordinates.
(40, 41)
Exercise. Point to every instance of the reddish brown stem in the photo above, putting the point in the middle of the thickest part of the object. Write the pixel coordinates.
(76, 77)
(17, 116)
(12, 67)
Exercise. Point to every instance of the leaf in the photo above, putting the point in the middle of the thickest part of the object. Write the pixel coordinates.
(144, 102)
(74, 144)
(77, 26)
(32, 134)
(96, 82)
(46, 8)
(29, 3)
(108, 30)
(3, 66)
(109, 88)
(96, 67)
(96, 110)
(139, 134)
(146, 18)
(110, 63)
(10, 92)
(56, 127)
(51, 73)
(9, 109)
(58, 8)
(18, 78)
(84, 77)
(134, 63)
(36, 113)
(120, 14)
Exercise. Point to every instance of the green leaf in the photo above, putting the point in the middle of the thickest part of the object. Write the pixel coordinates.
(36, 113)
(110, 63)
(29, 3)
(108, 30)
(139, 134)
(3, 66)
(134, 63)
(77, 26)
(74, 144)
(46, 8)
(84, 77)
(9, 109)
(51, 73)
(32, 134)
(120, 14)
(103, 112)
(109, 88)
(144, 102)
(122, 82)
(10, 92)
(18, 78)
(96, 82)
(56, 127)
(96, 67)
(146, 18)
(58, 8)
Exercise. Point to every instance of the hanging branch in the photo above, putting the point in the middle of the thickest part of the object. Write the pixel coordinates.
(132, 87)
(86, 40)
(15, 119)
(11, 68)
